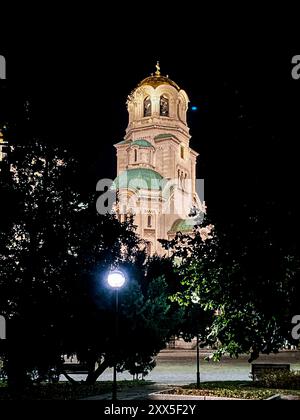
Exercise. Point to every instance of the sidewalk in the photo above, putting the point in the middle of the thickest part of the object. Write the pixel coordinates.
(139, 393)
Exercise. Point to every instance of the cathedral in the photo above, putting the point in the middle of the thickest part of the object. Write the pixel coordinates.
(156, 168)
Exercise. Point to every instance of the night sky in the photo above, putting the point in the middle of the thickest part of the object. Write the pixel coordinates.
(246, 128)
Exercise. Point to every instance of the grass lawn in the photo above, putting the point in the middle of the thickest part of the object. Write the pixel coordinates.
(232, 389)
(66, 391)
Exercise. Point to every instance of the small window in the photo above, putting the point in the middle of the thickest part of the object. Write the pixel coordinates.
(135, 155)
(182, 152)
(149, 221)
(164, 106)
(147, 107)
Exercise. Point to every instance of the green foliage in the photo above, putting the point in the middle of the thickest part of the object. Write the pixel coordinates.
(280, 380)
(227, 389)
(247, 277)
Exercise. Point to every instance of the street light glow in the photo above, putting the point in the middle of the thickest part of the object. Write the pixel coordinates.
(116, 279)
(195, 298)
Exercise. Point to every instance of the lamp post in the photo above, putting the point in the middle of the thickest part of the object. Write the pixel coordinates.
(195, 299)
(198, 362)
(116, 280)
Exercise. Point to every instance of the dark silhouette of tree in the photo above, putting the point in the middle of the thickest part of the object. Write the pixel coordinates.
(248, 276)
(55, 252)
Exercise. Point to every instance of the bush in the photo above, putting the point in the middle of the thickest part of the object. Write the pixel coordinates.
(280, 379)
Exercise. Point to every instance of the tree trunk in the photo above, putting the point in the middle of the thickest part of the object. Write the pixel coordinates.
(16, 372)
(94, 375)
(254, 355)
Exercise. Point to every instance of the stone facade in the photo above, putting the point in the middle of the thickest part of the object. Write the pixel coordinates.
(156, 167)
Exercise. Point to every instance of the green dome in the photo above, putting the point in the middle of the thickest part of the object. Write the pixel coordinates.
(141, 143)
(183, 225)
(138, 178)
(123, 142)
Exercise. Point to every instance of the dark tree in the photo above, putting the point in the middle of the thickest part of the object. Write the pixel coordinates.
(55, 252)
(248, 276)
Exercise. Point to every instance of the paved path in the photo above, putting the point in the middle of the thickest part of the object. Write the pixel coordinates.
(139, 393)
(290, 397)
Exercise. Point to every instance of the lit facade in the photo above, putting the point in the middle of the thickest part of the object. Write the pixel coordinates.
(156, 168)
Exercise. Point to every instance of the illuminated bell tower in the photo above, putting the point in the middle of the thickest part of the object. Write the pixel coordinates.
(156, 151)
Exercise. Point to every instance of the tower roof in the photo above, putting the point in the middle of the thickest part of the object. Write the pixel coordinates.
(183, 225)
(141, 143)
(157, 79)
(138, 178)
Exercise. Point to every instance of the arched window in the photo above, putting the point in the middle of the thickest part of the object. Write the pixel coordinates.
(149, 221)
(164, 106)
(135, 155)
(147, 107)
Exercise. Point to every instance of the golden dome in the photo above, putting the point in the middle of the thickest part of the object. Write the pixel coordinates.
(158, 79)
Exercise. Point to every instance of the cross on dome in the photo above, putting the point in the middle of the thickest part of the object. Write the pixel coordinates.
(157, 69)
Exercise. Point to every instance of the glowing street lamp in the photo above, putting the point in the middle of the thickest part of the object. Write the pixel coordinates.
(116, 281)
(196, 300)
